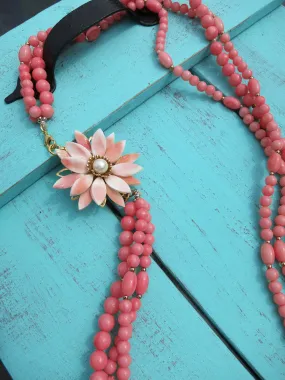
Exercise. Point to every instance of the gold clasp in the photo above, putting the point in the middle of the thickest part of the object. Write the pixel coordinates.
(49, 141)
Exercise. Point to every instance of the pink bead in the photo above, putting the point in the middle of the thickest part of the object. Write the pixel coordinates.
(274, 162)
(29, 101)
(93, 33)
(106, 322)
(139, 237)
(260, 100)
(47, 110)
(147, 250)
(125, 333)
(46, 97)
(216, 47)
(178, 70)
(277, 145)
(125, 306)
(128, 223)
(122, 269)
(124, 319)
(111, 367)
(23, 68)
(279, 298)
(98, 375)
(39, 74)
(228, 69)
(260, 134)
(275, 135)
(141, 225)
(113, 353)
(219, 24)
(281, 210)
(142, 283)
(133, 261)
(33, 41)
(241, 89)
(137, 249)
(267, 190)
(225, 37)
(150, 228)
(207, 21)
(267, 253)
(98, 360)
(201, 11)
(266, 234)
(195, 3)
(124, 252)
(123, 347)
(136, 304)
(265, 223)
(271, 180)
(217, 95)
(129, 283)
(231, 102)
(186, 75)
(247, 74)
(175, 7)
(104, 25)
(237, 61)
(248, 100)
(265, 212)
(279, 231)
(280, 220)
(42, 85)
(211, 33)
(235, 79)
(282, 200)
(42, 35)
(242, 67)
(275, 287)
(149, 239)
(25, 75)
(35, 112)
(154, 6)
(102, 340)
(124, 361)
(268, 151)
(210, 90)
(130, 209)
(267, 118)
(126, 238)
(279, 249)
(222, 59)
(191, 13)
(243, 112)
(145, 261)
(194, 80)
(37, 62)
(27, 83)
(142, 214)
(123, 374)
(228, 46)
(265, 201)
(282, 181)
(25, 54)
(38, 52)
(272, 274)
(253, 86)
(184, 9)
(233, 53)
(201, 86)
(165, 59)
(116, 289)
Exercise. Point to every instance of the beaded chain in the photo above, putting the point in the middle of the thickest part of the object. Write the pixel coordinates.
(112, 360)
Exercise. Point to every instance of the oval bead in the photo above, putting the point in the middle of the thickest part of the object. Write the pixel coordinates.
(165, 59)
(279, 249)
(142, 284)
(231, 103)
(153, 5)
(219, 24)
(129, 283)
(267, 254)
(274, 162)
(25, 54)
(253, 86)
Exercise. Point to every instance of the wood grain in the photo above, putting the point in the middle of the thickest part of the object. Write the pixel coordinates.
(116, 75)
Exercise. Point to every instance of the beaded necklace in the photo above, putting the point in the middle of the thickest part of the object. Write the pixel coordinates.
(99, 170)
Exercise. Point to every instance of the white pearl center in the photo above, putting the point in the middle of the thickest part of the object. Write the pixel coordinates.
(100, 166)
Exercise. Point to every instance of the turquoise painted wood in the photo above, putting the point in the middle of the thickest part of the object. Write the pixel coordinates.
(203, 174)
(108, 91)
(55, 268)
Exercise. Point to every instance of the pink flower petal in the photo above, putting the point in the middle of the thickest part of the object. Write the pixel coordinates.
(115, 151)
(75, 164)
(66, 182)
(98, 143)
(130, 158)
(81, 185)
(131, 181)
(115, 196)
(84, 200)
(98, 191)
(77, 150)
(61, 153)
(82, 140)
(118, 184)
(110, 140)
(126, 170)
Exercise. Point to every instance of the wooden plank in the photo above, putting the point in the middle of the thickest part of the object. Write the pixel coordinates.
(203, 173)
(55, 267)
(107, 92)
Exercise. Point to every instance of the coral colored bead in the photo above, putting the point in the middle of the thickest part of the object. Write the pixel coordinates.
(282, 200)
(217, 95)
(260, 134)
(265, 223)
(39, 74)
(222, 59)
(266, 234)
(216, 47)
(279, 249)
(228, 46)
(116, 289)
(225, 37)
(248, 100)
(202, 10)
(228, 69)
(124, 319)
(265, 201)
(130, 209)
(25, 75)
(113, 353)
(233, 53)
(207, 21)
(265, 212)
(27, 83)
(125, 333)
(177, 71)
(142, 214)
(165, 59)
(106, 322)
(124, 252)
(279, 298)
(241, 89)
(277, 145)
(267, 253)
(129, 283)
(280, 220)
(125, 306)
(253, 86)
(274, 162)
(139, 237)
(267, 190)
(275, 287)
(235, 79)
(29, 101)
(142, 284)
(38, 52)
(271, 180)
(247, 74)
(281, 210)
(231, 102)
(191, 13)
(124, 361)
(266, 119)
(136, 304)
(35, 112)
(25, 54)
(33, 41)
(98, 360)
(268, 152)
(24, 68)
(47, 110)
(272, 274)
(37, 62)
(186, 75)
(42, 35)
(46, 97)
(111, 367)
(133, 261)
(122, 269)
(237, 60)
(244, 111)
(102, 340)
(147, 250)
(210, 90)
(201, 86)
(149, 239)
(145, 261)
(195, 3)
(175, 7)
(150, 228)
(242, 67)
(123, 347)
(279, 231)
(93, 33)
(141, 225)
(99, 375)
(211, 33)
(128, 223)
(275, 135)
(126, 238)
(154, 6)
(260, 100)
(194, 80)
(123, 374)
(42, 85)
(184, 9)
(137, 249)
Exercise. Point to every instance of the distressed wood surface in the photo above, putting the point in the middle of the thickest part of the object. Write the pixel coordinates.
(116, 75)
(55, 268)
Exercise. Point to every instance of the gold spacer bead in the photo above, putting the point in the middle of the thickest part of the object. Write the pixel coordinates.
(269, 266)
(267, 241)
(278, 151)
(139, 296)
(257, 94)
(132, 269)
(251, 77)
(125, 297)
(223, 98)
(143, 269)
(271, 173)
(278, 238)
(171, 68)
(283, 264)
